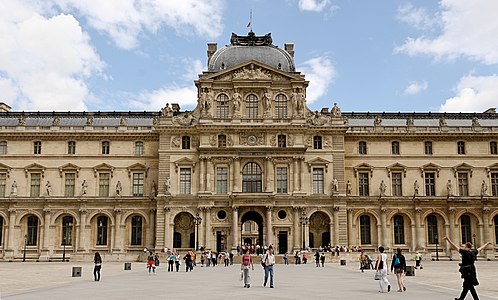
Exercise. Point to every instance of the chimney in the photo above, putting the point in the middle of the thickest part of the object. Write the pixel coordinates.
(212, 47)
(4, 107)
(289, 47)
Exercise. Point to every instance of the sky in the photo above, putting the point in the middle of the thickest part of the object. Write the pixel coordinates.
(136, 55)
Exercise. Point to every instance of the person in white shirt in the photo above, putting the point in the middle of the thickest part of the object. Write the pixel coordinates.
(382, 267)
(268, 261)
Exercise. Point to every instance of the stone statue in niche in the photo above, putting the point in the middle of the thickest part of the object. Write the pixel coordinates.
(48, 187)
(167, 186)
(298, 102)
(449, 188)
(84, 187)
(119, 188)
(13, 189)
(349, 188)
(382, 188)
(267, 101)
(336, 111)
(415, 187)
(153, 189)
(484, 188)
(335, 185)
(237, 99)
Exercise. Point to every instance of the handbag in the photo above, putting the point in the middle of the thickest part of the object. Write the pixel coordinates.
(377, 276)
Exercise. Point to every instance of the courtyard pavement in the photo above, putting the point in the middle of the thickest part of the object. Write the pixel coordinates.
(32, 280)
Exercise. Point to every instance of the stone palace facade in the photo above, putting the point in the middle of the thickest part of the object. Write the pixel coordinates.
(251, 163)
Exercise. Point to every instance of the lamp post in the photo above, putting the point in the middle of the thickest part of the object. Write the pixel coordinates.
(64, 241)
(437, 249)
(25, 243)
(197, 222)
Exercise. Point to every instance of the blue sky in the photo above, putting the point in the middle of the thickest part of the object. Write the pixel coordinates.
(391, 55)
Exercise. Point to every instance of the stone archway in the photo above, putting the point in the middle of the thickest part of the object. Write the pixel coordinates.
(319, 229)
(183, 230)
(256, 218)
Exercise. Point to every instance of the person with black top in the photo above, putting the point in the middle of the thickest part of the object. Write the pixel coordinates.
(97, 260)
(398, 267)
(467, 267)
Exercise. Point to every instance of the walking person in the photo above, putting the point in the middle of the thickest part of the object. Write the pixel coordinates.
(151, 263)
(286, 259)
(317, 258)
(382, 267)
(399, 267)
(171, 261)
(177, 262)
(322, 259)
(246, 263)
(468, 268)
(156, 260)
(97, 260)
(363, 261)
(418, 260)
(268, 261)
(305, 257)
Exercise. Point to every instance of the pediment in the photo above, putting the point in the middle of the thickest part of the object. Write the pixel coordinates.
(463, 167)
(363, 167)
(493, 167)
(103, 167)
(251, 70)
(396, 167)
(69, 167)
(34, 168)
(430, 166)
(138, 167)
(184, 161)
(318, 161)
(5, 168)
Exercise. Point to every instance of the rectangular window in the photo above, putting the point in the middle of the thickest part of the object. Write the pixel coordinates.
(461, 147)
(222, 180)
(35, 185)
(282, 141)
(3, 147)
(37, 147)
(430, 184)
(282, 180)
(494, 184)
(318, 181)
(185, 180)
(363, 184)
(396, 184)
(71, 147)
(105, 147)
(395, 148)
(104, 184)
(252, 106)
(493, 148)
(69, 184)
(317, 142)
(428, 148)
(185, 142)
(463, 184)
(138, 184)
(362, 148)
(3, 183)
(139, 148)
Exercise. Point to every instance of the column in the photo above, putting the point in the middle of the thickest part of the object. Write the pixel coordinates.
(296, 231)
(150, 241)
(269, 229)
(414, 238)
(453, 231)
(268, 176)
(83, 234)
(486, 236)
(118, 239)
(201, 174)
(235, 227)
(351, 233)
(208, 174)
(236, 175)
(335, 240)
(307, 232)
(296, 174)
(301, 172)
(209, 231)
(202, 228)
(386, 234)
(10, 232)
(420, 235)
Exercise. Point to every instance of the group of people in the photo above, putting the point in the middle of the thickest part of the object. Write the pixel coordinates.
(212, 258)
(267, 262)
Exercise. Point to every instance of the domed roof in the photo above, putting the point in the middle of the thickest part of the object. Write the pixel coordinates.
(251, 47)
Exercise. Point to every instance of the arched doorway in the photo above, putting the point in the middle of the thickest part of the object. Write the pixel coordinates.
(319, 230)
(252, 217)
(183, 231)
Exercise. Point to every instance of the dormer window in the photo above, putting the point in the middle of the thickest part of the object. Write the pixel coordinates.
(282, 141)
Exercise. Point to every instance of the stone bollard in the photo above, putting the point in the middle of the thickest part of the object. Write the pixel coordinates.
(410, 271)
(127, 266)
(343, 262)
(76, 272)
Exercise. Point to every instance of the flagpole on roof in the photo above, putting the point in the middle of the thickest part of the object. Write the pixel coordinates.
(250, 20)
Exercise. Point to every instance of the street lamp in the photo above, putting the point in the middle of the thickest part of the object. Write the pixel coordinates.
(64, 240)
(437, 250)
(197, 222)
(25, 243)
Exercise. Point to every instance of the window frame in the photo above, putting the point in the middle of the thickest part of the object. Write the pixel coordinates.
(317, 142)
(104, 184)
(365, 230)
(32, 226)
(71, 147)
(186, 142)
(282, 179)
(399, 229)
(222, 174)
(281, 141)
(105, 147)
(363, 184)
(138, 181)
(37, 147)
(3, 147)
(463, 184)
(281, 111)
(69, 189)
(362, 148)
(252, 106)
(494, 183)
(252, 178)
(67, 230)
(222, 106)
(493, 148)
(222, 141)
(35, 189)
(430, 184)
(185, 181)
(318, 174)
(397, 184)
(136, 234)
(466, 229)
(428, 148)
(395, 148)
(139, 148)
(102, 234)
(3, 185)
(432, 229)
(461, 148)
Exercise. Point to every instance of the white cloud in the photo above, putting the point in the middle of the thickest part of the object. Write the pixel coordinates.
(126, 20)
(321, 73)
(469, 29)
(155, 100)
(195, 68)
(473, 94)
(416, 87)
(313, 5)
(417, 17)
(44, 71)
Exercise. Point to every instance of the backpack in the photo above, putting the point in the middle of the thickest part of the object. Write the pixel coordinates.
(396, 262)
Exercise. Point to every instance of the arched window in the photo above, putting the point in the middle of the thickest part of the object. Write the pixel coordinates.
(251, 178)
(32, 234)
(466, 229)
(399, 229)
(222, 106)
(252, 104)
(67, 230)
(1, 230)
(136, 230)
(102, 230)
(281, 106)
(432, 230)
(496, 228)
(365, 230)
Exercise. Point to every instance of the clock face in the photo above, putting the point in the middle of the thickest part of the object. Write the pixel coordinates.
(251, 140)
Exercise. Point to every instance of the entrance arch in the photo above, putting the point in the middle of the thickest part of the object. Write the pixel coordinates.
(319, 230)
(183, 231)
(256, 218)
